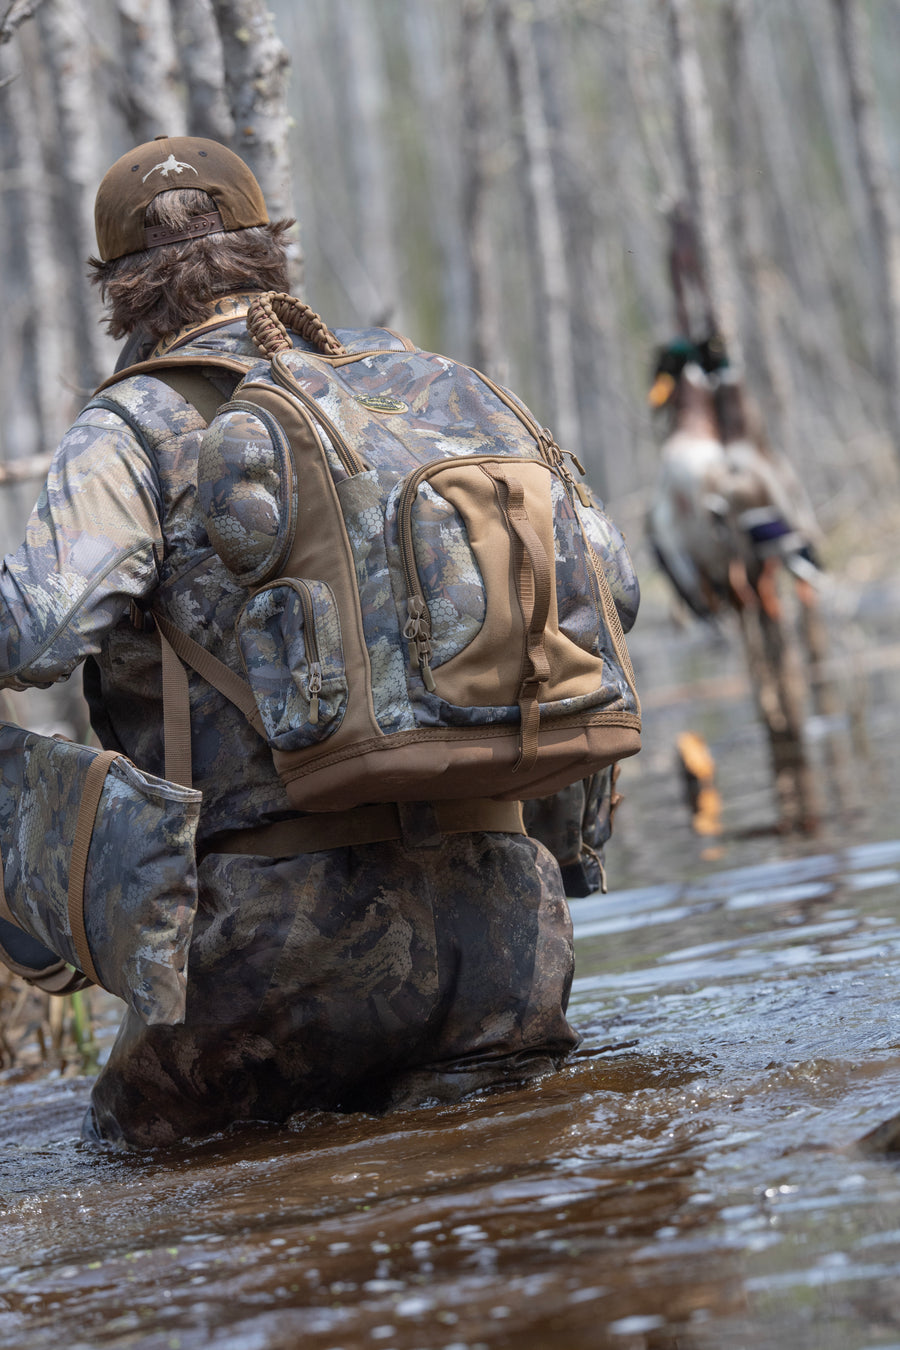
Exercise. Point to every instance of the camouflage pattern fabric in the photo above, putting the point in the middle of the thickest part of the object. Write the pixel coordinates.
(248, 497)
(357, 979)
(575, 824)
(314, 979)
(140, 884)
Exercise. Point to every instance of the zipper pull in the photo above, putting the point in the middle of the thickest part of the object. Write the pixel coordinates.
(557, 459)
(558, 456)
(313, 687)
(550, 450)
(554, 456)
(584, 495)
(417, 632)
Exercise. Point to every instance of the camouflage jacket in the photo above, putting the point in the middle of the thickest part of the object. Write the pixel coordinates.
(116, 525)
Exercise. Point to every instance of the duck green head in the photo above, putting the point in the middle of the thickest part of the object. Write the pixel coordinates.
(671, 360)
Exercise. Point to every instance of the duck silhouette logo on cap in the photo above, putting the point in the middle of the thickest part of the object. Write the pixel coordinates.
(167, 166)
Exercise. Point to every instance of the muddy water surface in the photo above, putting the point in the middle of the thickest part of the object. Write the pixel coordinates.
(690, 1179)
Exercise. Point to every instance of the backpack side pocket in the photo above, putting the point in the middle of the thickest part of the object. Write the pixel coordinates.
(289, 636)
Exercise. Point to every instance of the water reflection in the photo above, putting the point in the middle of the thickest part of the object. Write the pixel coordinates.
(691, 1179)
(689, 1176)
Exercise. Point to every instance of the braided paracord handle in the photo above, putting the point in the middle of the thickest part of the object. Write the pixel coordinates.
(272, 313)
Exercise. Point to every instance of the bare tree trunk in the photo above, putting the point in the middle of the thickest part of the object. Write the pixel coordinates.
(436, 76)
(554, 329)
(811, 277)
(66, 31)
(876, 176)
(765, 352)
(199, 45)
(589, 206)
(363, 98)
(37, 339)
(476, 57)
(694, 120)
(256, 66)
(149, 66)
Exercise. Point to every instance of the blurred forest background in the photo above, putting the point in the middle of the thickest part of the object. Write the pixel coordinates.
(494, 177)
(497, 179)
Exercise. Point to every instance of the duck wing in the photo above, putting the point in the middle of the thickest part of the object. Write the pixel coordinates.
(688, 523)
(770, 509)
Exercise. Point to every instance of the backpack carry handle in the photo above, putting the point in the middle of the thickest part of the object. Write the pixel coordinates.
(270, 316)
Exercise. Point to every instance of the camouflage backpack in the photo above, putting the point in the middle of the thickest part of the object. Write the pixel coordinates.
(430, 612)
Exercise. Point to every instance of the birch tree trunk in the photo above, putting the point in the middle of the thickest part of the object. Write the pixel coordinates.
(65, 28)
(365, 145)
(588, 205)
(33, 328)
(882, 201)
(484, 303)
(765, 354)
(149, 68)
(199, 45)
(824, 375)
(554, 334)
(694, 121)
(256, 67)
(436, 79)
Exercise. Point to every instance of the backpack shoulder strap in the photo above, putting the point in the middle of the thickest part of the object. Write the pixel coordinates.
(181, 362)
(196, 389)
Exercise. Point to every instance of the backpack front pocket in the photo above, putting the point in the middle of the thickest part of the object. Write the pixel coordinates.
(289, 636)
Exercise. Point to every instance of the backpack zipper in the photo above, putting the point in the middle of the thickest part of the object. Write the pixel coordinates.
(546, 441)
(311, 644)
(417, 629)
(616, 631)
(351, 461)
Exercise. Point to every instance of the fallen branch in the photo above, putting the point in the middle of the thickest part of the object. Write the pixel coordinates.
(17, 14)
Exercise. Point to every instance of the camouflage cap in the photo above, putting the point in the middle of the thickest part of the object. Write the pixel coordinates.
(159, 166)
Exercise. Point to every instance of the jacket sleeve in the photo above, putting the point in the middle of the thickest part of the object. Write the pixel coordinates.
(93, 543)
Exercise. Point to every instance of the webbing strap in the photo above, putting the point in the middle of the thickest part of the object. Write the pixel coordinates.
(84, 829)
(156, 364)
(194, 388)
(533, 586)
(366, 825)
(177, 647)
(176, 716)
(214, 671)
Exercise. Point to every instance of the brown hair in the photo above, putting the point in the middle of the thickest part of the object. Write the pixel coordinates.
(162, 289)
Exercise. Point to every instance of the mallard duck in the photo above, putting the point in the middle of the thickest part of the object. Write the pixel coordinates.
(688, 523)
(726, 513)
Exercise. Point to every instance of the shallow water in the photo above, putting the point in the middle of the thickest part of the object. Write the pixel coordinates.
(690, 1179)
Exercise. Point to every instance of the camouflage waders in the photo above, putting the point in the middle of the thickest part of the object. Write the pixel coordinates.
(368, 976)
(357, 978)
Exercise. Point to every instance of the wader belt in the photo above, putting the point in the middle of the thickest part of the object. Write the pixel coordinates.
(372, 825)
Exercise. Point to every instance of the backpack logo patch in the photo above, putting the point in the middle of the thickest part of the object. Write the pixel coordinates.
(382, 403)
(167, 166)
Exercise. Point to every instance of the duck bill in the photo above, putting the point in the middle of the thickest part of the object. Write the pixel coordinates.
(661, 390)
